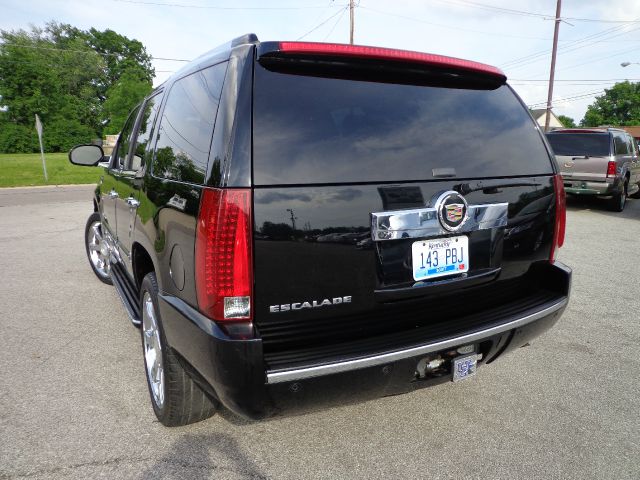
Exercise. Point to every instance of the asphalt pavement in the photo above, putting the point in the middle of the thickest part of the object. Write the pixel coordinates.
(74, 403)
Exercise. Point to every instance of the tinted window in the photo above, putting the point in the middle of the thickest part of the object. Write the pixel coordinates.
(326, 130)
(580, 144)
(147, 122)
(124, 141)
(629, 140)
(186, 126)
(620, 145)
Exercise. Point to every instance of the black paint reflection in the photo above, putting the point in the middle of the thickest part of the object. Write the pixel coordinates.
(326, 248)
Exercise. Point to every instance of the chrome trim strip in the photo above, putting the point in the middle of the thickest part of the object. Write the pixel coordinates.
(310, 372)
(423, 222)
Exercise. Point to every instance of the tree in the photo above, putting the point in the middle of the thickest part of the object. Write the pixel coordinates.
(619, 106)
(65, 74)
(122, 96)
(568, 122)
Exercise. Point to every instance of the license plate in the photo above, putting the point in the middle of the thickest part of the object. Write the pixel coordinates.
(439, 257)
(464, 367)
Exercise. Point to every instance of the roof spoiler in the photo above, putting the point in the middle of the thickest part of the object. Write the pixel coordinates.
(343, 52)
(247, 38)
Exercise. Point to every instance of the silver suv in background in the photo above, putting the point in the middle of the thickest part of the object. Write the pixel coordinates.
(598, 162)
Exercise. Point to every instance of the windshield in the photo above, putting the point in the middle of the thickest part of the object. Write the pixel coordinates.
(580, 144)
(327, 130)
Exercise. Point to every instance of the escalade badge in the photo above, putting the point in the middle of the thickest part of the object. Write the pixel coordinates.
(286, 307)
(452, 210)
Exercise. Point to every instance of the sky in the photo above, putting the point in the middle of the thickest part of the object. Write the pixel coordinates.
(596, 36)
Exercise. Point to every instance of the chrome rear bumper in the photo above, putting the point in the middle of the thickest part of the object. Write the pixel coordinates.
(371, 361)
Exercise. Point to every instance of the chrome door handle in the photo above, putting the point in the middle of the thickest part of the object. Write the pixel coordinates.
(113, 194)
(132, 202)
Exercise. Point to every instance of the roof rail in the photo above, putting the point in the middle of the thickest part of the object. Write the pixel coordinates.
(244, 39)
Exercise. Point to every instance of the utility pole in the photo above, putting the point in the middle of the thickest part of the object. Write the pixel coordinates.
(553, 65)
(351, 5)
(293, 219)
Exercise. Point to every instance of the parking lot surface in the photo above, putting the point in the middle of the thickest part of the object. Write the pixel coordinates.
(74, 402)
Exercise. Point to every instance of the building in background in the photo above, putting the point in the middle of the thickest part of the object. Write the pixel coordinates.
(634, 131)
(108, 143)
(539, 115)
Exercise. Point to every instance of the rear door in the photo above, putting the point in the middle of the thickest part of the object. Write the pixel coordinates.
(111, 186)
(122, 188)
(624, 154)
(129, 180)
(347, 173)
(634, 169)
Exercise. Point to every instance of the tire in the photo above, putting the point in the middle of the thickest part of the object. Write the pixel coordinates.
(97, 253)
(636, 195)
(619, 200)
(176, 399)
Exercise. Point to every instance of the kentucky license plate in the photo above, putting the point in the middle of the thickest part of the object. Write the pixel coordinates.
(439, 257)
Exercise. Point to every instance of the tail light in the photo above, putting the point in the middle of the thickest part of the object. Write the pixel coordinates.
(224, 272)
(611, 169)
(561, 216)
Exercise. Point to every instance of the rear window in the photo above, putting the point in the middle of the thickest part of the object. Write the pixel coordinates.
(580, 144)
(326, 130)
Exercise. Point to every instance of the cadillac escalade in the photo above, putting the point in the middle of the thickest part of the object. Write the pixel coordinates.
(294, 225)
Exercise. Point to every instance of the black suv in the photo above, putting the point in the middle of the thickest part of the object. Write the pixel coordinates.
(301, 224)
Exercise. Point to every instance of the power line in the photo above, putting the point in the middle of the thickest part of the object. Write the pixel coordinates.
(335, 25)
(544, 16)
(592, 84)
(577, 96)
(405, 17)
(342, 9)
(606, 57)
(564, 50)
(215, 7)
(573, 45)
(576, 80)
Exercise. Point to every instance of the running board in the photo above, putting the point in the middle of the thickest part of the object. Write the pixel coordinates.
(127, 292)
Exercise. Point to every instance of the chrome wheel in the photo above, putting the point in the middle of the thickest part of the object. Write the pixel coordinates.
(152, 350)
(98, 250)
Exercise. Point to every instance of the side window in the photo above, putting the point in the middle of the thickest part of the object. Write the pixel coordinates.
(124, 141)
(620, 145)
(630, 144)
(145, 133)
(186, 126)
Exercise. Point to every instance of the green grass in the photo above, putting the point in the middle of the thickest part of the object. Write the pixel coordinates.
(25, 169)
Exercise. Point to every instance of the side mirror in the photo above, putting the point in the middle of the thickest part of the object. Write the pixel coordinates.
(86, 155)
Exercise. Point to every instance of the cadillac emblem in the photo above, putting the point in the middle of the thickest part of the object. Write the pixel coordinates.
(452, 210)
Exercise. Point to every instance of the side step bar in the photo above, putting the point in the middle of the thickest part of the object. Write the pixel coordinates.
(127, 292)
